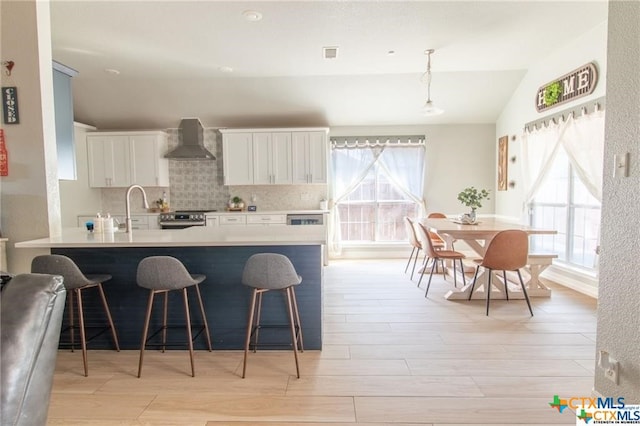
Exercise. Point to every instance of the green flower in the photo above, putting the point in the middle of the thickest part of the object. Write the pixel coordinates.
(471, 197)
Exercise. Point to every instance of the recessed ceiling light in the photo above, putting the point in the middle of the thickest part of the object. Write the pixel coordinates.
(225, 69)
(391, 52)
(112, 71)
(252, 15)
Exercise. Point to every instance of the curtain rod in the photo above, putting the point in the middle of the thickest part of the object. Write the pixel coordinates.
(372, 141)
(589, 106)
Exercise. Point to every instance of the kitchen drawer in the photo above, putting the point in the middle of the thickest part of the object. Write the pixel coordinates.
(233, 219)
(266, 219)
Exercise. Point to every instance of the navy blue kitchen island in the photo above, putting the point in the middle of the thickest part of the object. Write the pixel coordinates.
(220, 254)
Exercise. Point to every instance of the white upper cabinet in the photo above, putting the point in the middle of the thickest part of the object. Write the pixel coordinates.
(310, 152)
(148, 165)
(274, 156)
(237, 158)
(120, 159)
(109, 161)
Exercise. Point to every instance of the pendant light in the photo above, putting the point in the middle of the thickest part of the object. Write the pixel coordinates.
(429, 107)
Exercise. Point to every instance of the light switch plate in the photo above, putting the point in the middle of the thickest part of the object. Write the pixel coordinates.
(621, 165)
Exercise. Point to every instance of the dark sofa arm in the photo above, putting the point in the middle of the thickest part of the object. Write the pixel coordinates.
(30, 318)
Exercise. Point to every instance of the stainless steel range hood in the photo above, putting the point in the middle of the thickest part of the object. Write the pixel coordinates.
(190, 142)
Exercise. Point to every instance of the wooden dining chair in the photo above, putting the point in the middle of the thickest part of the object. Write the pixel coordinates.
(435, 255)
(416, 246)
(435, 237)
(507, 251)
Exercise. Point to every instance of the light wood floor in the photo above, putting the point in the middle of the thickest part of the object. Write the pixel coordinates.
(390, 357)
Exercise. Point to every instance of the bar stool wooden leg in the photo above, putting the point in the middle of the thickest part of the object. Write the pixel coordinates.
(165, 315)
(189, 334)
(298, 323)
(293, 330)
(145, 330)
(204, 317)
(83, 337)
(247, 339)
(72, 321)
(109, 318)
(256, 327)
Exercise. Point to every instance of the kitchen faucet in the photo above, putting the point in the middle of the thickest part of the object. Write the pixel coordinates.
(128, 205)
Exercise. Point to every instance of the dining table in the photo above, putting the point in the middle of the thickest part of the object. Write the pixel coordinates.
(477, 237)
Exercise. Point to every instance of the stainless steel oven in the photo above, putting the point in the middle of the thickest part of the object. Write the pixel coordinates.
(183, 219)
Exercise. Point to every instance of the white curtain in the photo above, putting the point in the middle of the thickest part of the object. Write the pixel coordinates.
(349, 167)
(584, 143)
(404, 167)
(539, 148)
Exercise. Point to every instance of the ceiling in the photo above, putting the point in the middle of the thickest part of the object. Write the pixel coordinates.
(171, 57)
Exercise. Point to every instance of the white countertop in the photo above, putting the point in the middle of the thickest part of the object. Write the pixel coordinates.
(274, 212)
(224, 212)
(196, 236)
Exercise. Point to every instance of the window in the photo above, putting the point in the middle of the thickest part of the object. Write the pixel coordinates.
(374, 210)
(563, 203)
(375, 182)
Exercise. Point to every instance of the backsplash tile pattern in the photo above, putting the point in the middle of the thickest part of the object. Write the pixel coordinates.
(282, 197)
(197, 185)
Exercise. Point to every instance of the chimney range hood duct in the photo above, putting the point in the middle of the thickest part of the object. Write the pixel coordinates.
(190, 142)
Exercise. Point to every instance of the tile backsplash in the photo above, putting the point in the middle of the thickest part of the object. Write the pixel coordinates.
(197, 185)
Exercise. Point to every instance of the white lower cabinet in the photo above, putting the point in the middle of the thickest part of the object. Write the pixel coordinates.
(232, 219)
(267, 219)
(211, 220)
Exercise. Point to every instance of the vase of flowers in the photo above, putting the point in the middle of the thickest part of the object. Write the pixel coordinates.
(472, 198)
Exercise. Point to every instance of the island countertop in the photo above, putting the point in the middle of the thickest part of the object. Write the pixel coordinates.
(196, 236)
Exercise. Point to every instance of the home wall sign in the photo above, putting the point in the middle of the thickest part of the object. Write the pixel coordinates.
(576, 84)
(10, 105)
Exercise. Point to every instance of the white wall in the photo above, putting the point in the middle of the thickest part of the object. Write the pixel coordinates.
(76, 197)
(457, 156)
(30, 194)
(619, 297)
(591, 47)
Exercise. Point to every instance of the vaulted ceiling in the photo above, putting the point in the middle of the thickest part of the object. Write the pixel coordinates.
(204, 59)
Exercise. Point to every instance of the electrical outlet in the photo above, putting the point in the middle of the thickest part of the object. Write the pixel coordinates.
(609, 365)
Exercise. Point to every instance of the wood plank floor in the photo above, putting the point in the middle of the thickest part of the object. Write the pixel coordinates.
(390, 357)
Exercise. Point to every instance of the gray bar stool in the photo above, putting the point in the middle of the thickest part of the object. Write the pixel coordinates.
(270, 271)
(162, 274)
(75, 282)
